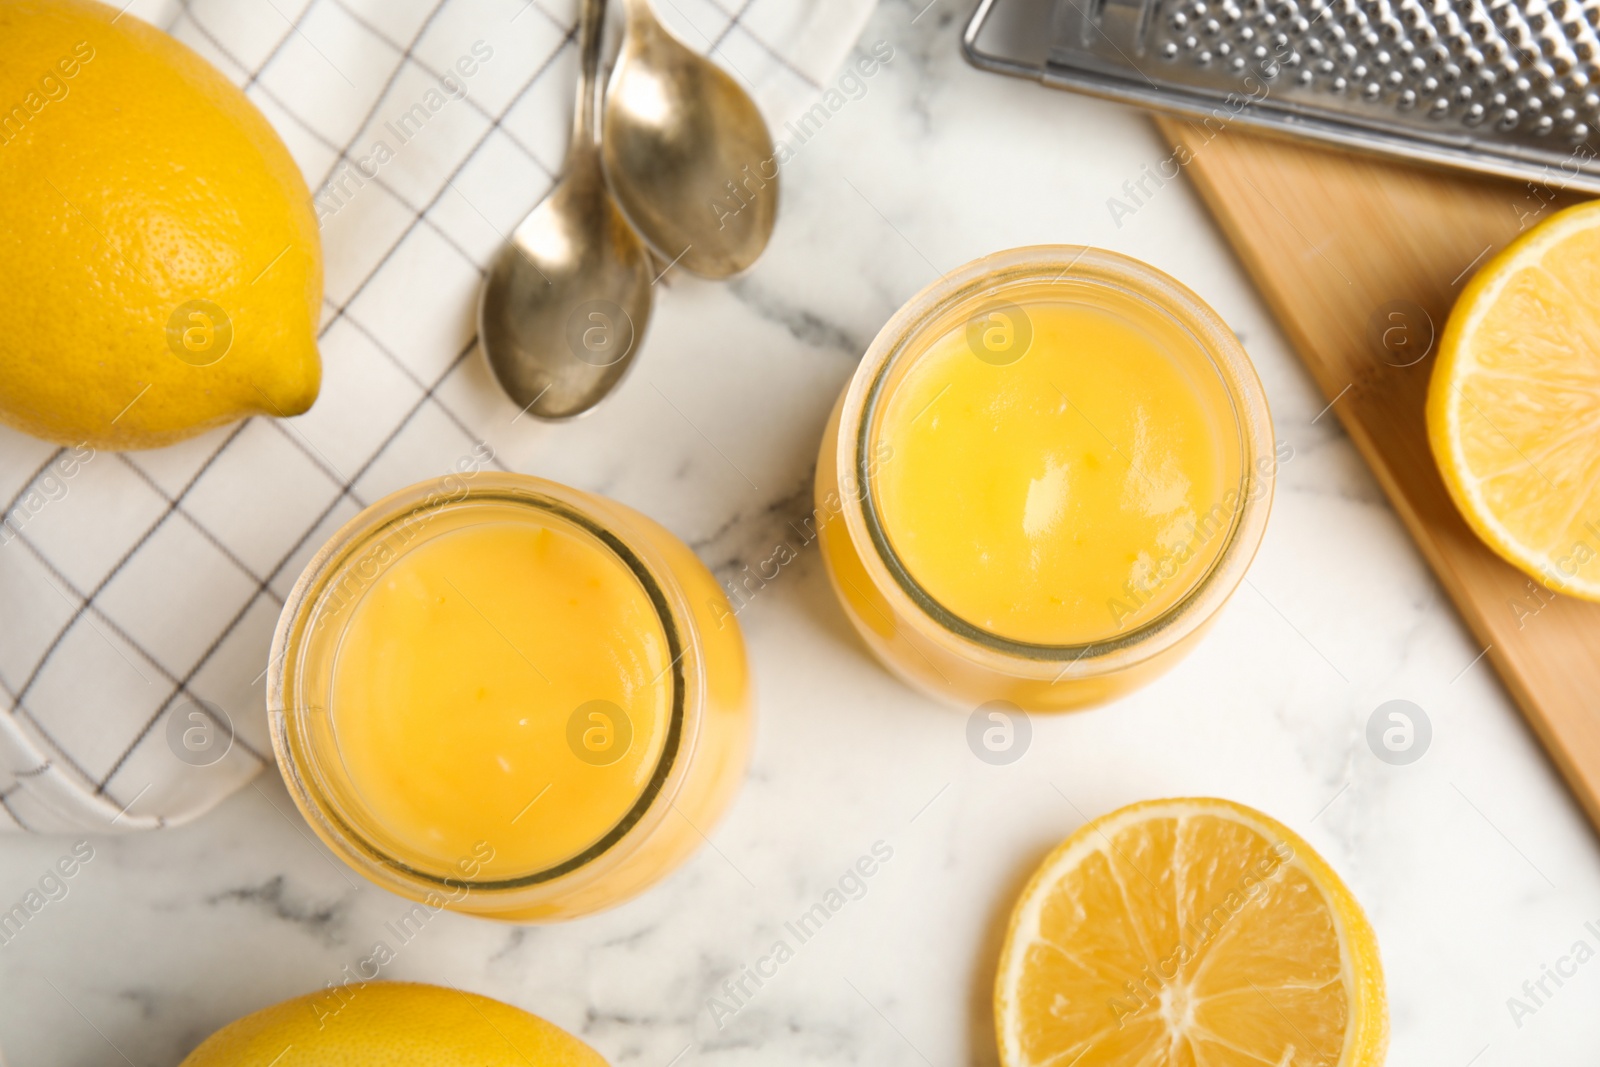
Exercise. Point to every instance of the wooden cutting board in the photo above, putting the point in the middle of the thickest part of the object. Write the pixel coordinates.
(1355, 256)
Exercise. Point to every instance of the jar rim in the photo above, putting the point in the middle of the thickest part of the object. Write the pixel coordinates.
(905, 337)
(297, 629)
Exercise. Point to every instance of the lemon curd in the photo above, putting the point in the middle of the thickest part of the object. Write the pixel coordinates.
(1046, 477)
(504, 696)
(457, 675)
(1059, 497)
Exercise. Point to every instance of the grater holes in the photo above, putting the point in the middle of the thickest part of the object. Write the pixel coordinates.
(1528, 66)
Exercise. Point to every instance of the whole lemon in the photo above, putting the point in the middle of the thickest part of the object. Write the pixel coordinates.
(392, 1024)
(160, 271)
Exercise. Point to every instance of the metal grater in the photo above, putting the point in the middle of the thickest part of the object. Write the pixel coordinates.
(1508, 87)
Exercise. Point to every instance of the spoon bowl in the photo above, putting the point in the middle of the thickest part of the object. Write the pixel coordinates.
(687, 153)
(568, 297)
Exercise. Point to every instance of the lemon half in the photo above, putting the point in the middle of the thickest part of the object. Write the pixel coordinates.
(1514, 403)
(1189, 933)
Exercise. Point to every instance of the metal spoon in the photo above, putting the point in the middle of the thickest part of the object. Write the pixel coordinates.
(687, 153)
(567, 299)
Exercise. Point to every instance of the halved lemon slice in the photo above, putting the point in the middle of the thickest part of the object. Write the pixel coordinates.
(1189, 933)
(1514, 402)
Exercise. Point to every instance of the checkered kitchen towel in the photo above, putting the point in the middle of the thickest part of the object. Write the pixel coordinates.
(139, 591)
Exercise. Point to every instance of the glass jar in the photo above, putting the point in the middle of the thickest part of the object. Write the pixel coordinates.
(955, 655)
(686, 737)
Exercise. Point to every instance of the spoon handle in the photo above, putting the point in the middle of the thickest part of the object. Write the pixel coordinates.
(591, 35)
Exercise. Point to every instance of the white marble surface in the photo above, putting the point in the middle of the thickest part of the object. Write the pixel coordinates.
(1473, 863)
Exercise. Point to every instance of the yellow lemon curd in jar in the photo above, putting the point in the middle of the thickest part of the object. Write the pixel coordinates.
(505, 684)
(1058, 472)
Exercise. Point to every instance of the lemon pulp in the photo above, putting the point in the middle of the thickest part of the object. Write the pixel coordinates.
(1514, 403)
(1189, 932)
